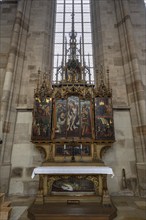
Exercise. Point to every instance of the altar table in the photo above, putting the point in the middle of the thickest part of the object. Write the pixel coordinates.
(72, 206)
(78, 170)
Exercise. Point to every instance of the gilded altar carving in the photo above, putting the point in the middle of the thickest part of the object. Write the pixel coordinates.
(50, 181)
(74, 86)
(47, 151)
(95, 180)
(64, 91)
(99, 150)
(101, 119)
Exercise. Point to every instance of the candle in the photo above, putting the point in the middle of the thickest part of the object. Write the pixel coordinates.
(64, 146)
(81, 152)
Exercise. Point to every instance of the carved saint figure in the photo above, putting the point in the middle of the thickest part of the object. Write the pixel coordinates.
(60, 117)
(73, 119)
(85, 120)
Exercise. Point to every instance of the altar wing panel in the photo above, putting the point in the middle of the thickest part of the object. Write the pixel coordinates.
(42, 119)
(104, 127)
(60, 118)
(85, 114)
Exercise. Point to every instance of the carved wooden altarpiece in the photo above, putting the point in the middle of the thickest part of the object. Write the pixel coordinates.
(73, 126)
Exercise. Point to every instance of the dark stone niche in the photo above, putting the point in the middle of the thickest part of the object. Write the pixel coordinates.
(17, 172)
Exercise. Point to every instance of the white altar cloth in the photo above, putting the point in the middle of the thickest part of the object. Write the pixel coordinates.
(53, 170)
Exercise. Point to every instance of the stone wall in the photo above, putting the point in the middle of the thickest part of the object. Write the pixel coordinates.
(138, 14)
(30, 48)
(27, 45)
(7, 16)
(119, 36)
(25, 157)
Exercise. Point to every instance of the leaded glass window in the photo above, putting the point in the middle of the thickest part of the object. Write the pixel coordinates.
(82, 24)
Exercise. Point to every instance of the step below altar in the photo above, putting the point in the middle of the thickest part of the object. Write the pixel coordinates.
(65, 211)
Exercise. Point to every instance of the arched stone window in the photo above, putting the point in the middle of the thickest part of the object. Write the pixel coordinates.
(82, 25)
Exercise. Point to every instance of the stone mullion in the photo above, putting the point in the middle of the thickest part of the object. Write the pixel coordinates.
(48, 39)
(100, 29)
(94, 39)
(51, 39)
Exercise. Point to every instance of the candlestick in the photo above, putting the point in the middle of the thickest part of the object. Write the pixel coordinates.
(64, 152)
(81, 152)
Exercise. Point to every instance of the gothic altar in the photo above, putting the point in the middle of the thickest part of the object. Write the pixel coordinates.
(72, 128)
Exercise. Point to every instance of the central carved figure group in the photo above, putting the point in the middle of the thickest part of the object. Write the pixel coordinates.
(73, 116)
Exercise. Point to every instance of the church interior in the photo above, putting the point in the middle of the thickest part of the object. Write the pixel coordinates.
(72, 109)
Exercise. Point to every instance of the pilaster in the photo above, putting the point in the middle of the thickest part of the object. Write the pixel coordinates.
(133, 79)
(11, 87)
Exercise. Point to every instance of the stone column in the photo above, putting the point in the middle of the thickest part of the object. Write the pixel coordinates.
(12, 85)
(9, 75)
(134, 84)
(34, 49)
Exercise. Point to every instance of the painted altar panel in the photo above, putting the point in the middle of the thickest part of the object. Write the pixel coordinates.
(104, 128)
(73, 122)
(68, 150)
(85, 114)
(42, 115)
(60, 118)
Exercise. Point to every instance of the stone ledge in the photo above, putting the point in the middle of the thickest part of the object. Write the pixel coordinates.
(24, 109)
(123, 108)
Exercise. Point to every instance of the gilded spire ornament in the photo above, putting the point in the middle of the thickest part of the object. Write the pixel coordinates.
(80, 110)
